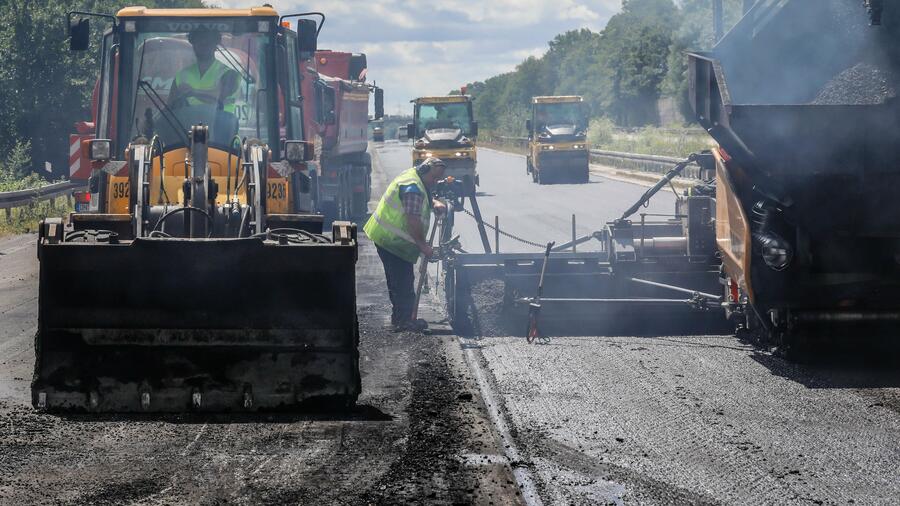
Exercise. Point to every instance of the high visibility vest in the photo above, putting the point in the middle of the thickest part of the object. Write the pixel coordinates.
(387, 225)
(206, 85)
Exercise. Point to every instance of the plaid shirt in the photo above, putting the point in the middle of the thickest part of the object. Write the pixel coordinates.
(412, 200)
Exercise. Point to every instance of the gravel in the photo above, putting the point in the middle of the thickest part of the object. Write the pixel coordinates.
(863, 84)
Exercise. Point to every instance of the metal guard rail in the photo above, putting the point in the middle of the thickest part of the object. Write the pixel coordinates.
(664, 162)
(19, 198)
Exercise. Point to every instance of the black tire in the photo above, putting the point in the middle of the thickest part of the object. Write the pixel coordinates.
(459, 303)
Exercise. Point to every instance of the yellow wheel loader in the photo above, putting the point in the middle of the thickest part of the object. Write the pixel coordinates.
(196, 279)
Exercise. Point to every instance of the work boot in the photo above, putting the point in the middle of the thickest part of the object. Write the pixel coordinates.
(418, 325)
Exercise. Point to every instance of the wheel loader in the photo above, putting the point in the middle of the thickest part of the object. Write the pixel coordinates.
(193, 276)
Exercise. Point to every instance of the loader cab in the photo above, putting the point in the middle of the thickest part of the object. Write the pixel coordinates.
(161, 70)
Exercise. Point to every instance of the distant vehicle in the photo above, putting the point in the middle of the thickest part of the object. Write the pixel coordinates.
(443, 127)
(378, 134)
(557, 140)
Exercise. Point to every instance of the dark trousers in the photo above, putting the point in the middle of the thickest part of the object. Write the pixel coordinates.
(400, 280)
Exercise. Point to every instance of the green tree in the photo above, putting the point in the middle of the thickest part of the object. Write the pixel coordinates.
(44, 87)
(695, 33)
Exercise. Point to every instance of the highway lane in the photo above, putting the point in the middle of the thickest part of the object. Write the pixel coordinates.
(673, 419)
(538, 213)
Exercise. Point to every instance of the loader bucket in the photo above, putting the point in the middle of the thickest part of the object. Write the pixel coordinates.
(175, 325)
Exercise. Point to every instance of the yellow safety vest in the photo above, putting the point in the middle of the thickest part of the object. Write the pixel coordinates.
(387, 225)
(206, 84)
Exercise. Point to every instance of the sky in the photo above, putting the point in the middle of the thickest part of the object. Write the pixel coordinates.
(416, 48)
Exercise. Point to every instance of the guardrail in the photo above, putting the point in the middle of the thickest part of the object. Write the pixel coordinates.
(21, 198)
(630, 161)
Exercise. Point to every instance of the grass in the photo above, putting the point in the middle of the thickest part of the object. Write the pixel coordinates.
(23, 220)
(679, 143)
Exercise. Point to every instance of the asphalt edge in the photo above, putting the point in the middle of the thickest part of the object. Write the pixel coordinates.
(492, 401)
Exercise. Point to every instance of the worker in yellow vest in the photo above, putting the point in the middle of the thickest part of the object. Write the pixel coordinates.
(208, 81)
(398, 228)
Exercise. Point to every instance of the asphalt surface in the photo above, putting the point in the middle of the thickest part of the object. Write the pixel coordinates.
(672, 419)
(420, 434)
(448, 420)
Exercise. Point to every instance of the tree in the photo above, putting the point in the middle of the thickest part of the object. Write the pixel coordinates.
(695, 33)
(45, 88)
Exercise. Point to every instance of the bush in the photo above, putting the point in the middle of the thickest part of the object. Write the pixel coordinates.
(601, 132)
(15, 170)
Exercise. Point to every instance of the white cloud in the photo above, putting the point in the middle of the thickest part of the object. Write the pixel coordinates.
(422, 47)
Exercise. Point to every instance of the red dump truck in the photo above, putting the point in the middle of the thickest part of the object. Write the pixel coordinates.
(335, 83)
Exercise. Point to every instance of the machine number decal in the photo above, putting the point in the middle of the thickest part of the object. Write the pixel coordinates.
(120, 190)
(276, 191)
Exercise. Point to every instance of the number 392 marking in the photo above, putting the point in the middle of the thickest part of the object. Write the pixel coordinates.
(120, 190)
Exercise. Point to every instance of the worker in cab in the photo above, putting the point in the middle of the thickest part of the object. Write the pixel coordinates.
(398, 228)
(207, 81)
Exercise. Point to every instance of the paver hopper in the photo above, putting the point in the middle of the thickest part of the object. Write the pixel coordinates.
(802, 98)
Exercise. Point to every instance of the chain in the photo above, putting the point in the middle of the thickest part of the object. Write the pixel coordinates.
(507, 234)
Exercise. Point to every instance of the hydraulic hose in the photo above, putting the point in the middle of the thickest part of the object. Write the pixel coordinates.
(173, 212)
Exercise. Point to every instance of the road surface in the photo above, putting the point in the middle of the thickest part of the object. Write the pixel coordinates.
(448, 420)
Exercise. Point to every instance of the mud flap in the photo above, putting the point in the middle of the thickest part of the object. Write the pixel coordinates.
(169, 325)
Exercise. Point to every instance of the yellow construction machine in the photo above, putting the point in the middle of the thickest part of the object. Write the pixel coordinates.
(444, 127)
(557, 140)
(196, 278)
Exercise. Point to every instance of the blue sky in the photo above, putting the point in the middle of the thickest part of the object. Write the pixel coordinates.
(417, 48)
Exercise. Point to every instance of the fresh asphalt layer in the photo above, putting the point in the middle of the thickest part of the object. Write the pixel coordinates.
(670, 419)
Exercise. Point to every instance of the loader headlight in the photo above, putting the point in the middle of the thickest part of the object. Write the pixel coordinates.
(425, 154)
(546, 148)
(294, 151)
(578, 146)
(461, 154)
(776, 252)
(99, 149)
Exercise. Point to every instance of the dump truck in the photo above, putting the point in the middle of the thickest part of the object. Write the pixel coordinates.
(801, 97)
(197, 279)
(444, 127)
(338, 126)
(557, 140)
